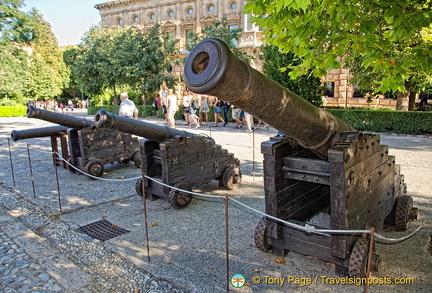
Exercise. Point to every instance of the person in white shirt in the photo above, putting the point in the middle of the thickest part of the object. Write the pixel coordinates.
(127, 107)
(171, 108)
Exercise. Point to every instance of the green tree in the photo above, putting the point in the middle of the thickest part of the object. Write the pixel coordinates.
(219, 29)
(385, 36)
(113, 57)
(48, 73)
(158, 53)
(306, 86)
(13, 70)
(70, 55)
(13, 59)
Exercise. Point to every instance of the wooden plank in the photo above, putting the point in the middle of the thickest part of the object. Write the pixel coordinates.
(355, 155)
(373, 207)
(311, 208)
(338, 218)
(311, 170)
(365, 184)
(292, 191)
(305, 205)
(311, 245)
(318, 166)
(275, 183)
(74, 148)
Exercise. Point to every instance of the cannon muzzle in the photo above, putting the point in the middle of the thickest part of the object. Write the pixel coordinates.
(211, 68)
(62, 119)
(37, 132)
(137, 127)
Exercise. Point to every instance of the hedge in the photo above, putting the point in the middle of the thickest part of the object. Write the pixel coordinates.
(387, 121)
(13, 111)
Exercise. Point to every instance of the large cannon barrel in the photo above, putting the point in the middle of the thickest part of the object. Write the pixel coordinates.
(62, 119)
(211, 68)
(37, 132)
(137, 127)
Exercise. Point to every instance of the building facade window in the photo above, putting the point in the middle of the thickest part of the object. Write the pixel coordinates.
(152, 16)
(211, 8)
(171, 13)
(120, 21)
(357, 92)
(233, 41)
(190, 11)
(135, 18)
(329, 88)
(189, 34)
(233, 5)
(170, 35)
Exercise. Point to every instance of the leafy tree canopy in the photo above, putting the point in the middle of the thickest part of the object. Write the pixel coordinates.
(31, 64)
(219, 29)
(113, 57)
(48, 73)
(387, 36)
(306, 86)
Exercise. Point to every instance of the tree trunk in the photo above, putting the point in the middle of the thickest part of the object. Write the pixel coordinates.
(412, 98)
(402, 101)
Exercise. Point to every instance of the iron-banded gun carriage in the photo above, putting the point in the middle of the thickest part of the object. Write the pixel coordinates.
(321, 168)
(175, 157)
(90, 148)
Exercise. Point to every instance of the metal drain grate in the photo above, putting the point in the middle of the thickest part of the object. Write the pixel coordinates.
(102, 230)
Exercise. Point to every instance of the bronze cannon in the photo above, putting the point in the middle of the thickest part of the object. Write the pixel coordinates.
(54, 133)
(321, 169)
(175, 157)
(91, 148)
(37, 132)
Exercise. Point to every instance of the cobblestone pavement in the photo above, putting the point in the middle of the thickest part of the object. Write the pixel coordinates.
(29, 261)
(20, 272)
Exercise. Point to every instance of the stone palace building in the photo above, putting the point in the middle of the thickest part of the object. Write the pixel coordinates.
(178, 17)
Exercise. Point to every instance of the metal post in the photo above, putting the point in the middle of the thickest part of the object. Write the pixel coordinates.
(368, 269)
(227, 243)
(31, 170)
(253, 153)
(10, 158)
(145, 214)
(55, 155)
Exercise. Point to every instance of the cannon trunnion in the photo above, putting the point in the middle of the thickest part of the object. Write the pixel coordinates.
(84, 146)
(176, 158)
(318, 170)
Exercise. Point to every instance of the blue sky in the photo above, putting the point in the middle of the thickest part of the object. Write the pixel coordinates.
(69, 19)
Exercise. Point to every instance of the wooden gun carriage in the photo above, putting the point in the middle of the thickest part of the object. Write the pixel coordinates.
(90, 148)
(317, 170)
(175, 157)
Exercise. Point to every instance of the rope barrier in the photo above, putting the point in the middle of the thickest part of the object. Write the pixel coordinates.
(95, 177)
(306, 228)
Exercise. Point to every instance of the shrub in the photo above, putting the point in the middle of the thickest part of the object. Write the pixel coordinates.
(13, 111)
(387, 121)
